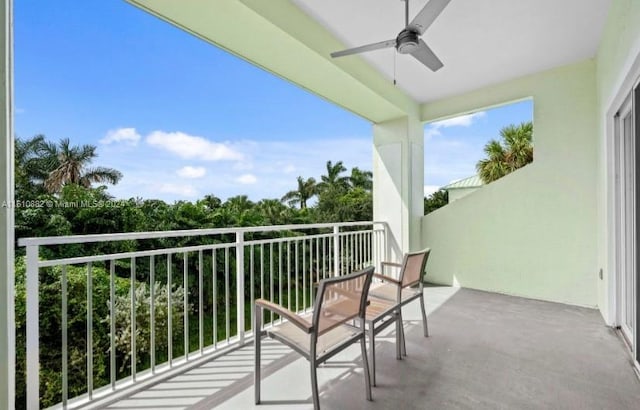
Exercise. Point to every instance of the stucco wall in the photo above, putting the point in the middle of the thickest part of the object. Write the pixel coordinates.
(533, 232)
(457, 193)
(617, 68)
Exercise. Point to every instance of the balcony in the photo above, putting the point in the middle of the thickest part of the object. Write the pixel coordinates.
(485, 349)
(171, 300)
(562, 229)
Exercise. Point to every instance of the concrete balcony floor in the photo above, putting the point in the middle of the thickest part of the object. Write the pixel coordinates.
(486, 351)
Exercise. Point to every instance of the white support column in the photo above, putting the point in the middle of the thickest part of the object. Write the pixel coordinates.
(7, 320)
(398, 189)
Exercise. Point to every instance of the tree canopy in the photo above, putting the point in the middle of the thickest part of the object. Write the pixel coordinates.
(513, 152)
(61, 173)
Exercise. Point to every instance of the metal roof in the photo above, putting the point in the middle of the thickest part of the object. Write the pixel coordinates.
(470, 182)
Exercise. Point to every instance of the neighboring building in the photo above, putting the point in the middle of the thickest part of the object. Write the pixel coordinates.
(462, 187)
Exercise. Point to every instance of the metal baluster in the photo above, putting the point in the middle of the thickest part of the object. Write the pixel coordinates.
(89, 331)
(280, 274)
(33, 328)
(261, 274)
(240, 286)
(185, 304)
(152, 312)
(335, 255)
(112, 323)
(325, 256)
(133, 318)
(65, 352)
(215, 298)
(169, 312)
(288, 277)
(317, 268)
(354, 251)
(304, 275)
(296, 273)
(271, 276)
(201, 300)
(226, 293)
(251, 280)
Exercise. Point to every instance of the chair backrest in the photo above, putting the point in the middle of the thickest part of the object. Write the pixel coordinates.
(413, 267)
(341, 299)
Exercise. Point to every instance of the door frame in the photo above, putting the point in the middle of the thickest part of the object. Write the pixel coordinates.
(621, 206)
(628, 82)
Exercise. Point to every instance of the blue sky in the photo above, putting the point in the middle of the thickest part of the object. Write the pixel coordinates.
(453, 147)
(181, 118)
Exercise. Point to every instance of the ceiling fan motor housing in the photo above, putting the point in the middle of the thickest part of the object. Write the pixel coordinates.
(407, 41)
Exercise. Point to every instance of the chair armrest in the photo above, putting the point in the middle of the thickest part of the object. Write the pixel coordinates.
(393, 264)
(286, 313)
(387, 278)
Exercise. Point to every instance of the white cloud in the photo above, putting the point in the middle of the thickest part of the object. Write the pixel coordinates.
(191, 172)
(151, 173)
(467, 120)
(461, 121)
(192, 147)
(430, 189)
(126, 135)
(178, 189)
(247, 179)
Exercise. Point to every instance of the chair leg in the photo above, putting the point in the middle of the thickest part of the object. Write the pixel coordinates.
(256, 373)
(365, 367)
(314, 384)
(403, 346)
(372, 350)
(398, 336)
(425, 326)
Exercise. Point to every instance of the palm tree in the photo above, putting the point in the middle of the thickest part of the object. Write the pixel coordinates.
(361, 179)
(333, 179)
(519, 144)
(69, 166)
(306, 189)
(514, 152)
(273, 211)
(30, 169)
(239, 203)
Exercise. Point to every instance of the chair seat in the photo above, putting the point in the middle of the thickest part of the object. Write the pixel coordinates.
(378, 308)
(389, 292)
(292, 335)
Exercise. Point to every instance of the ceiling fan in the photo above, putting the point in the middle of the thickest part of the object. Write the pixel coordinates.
(408, 40)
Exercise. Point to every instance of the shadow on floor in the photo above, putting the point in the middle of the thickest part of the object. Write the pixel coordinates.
(486, 351)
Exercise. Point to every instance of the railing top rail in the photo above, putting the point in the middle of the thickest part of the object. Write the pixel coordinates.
(61, 240)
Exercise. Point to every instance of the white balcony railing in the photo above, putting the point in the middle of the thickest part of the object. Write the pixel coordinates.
(223, 271)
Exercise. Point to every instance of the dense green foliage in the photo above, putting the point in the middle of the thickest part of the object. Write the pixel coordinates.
(513, 152)
(436, 200)
(55, 197)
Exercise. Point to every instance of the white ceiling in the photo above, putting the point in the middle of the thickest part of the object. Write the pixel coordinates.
(480, 42)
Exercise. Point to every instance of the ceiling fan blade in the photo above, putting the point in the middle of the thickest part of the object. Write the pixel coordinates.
(362, 49)
(427, 57)
(427, 15)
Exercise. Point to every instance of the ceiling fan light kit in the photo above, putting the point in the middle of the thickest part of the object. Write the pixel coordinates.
(408, 40)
